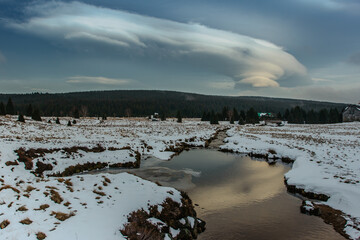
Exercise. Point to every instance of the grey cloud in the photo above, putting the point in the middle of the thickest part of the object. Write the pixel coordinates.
(355, 59)
(248, 61)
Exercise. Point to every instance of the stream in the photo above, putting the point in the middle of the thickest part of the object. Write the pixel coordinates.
(238, 197)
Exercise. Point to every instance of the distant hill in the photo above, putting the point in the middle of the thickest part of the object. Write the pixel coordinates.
(146, 102)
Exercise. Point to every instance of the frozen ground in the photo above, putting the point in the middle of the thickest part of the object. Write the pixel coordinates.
(83, 206)
(327, 160)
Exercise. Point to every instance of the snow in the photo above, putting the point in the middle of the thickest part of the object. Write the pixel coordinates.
(98, 203)
(326, 159)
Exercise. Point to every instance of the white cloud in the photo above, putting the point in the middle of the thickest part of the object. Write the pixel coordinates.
(248, 61)
(97, 80)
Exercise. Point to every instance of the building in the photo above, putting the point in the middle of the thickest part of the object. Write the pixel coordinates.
(351, 113)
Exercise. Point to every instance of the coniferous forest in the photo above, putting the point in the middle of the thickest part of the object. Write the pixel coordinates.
(141, 103)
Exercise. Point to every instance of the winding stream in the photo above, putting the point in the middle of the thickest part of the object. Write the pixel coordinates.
(238, 197)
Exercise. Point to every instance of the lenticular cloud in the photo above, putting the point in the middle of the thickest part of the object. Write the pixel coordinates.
(248, 61)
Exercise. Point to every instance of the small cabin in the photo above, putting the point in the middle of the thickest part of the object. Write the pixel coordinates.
(351, 113)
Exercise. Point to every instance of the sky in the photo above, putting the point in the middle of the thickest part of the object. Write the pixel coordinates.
(305, 49)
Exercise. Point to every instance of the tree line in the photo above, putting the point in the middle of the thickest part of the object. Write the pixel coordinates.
(293, 115)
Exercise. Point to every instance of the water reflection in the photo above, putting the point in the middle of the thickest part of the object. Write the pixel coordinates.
(238, 197)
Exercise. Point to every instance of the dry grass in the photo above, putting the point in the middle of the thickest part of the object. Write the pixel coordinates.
(26, 221)
(4, 224)
(62, 216)
(40, 235)
(9, 187)
(22, 209)
(99, 193)
(55, 196)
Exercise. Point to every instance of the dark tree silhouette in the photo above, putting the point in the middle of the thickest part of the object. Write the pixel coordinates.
(36, 115)
(69, 123)
(179, 117)
(21, 118)
(10, 107)
(57, 121)
(252, 116)
(29, 111)
(2, 109)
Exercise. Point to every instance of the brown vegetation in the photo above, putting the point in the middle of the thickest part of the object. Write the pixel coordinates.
(62, 216)
(26, 221)
(40, 235)
(4, 224)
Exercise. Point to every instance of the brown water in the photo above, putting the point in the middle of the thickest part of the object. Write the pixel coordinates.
(238, 197)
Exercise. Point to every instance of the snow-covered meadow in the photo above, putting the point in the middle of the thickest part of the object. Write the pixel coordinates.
(83, 206)
(86, 206)
(327, 160)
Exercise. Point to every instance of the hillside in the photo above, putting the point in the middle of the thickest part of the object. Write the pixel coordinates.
(146, 102)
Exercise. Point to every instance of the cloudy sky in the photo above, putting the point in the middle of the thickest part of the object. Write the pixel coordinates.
(308, 49)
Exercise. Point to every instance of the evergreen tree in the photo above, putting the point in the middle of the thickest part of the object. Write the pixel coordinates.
(224, 115)
(324, 116)
(76, 113)
(69, 123)
(252, 116)
(57, 121)
(333, 115)
(163, 117)
(74, 121)
(104, 117)
(279, 116)
(36, 115)
(203, 118)
(312, 117)
(10, 107)
(232, 120)
(242, 115)
(287, 115)
(29, 111)
(178, 116)
(2, 109)
(21, 118)
(214, 118)
(236, 115)
(241, 121)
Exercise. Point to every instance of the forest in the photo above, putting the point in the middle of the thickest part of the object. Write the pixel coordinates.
(142, 103)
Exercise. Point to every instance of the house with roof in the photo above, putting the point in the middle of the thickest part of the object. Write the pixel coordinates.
(351, 113)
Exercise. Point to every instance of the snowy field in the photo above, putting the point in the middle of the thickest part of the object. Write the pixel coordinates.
(34, 205)
(70, 206)
(327, 160)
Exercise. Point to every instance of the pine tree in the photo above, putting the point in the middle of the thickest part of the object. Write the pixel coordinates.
(179, 117)
(29, 111)
(242, 115)
(10, 107)
(163, 117)
(21, 118)
(2, 109)
(241, 121)
(69, 123)
(203, 118)
(36, 115)
(236, 115)
(57, 121)
(214, 119)
(252, 116)
(76, 113)
(324, 116)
